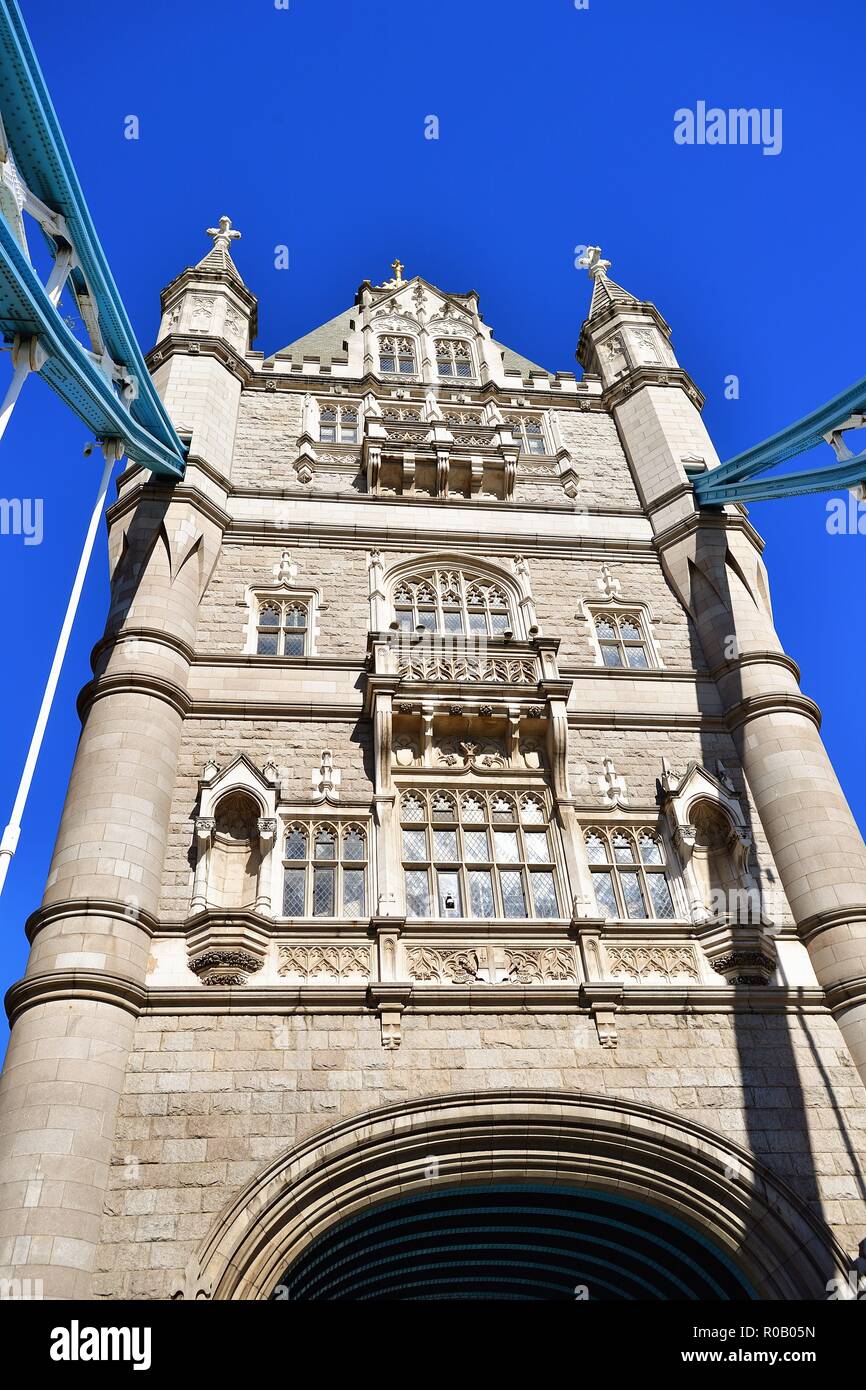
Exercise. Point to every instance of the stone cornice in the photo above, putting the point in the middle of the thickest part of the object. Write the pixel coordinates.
(686, 527)
(191, 345)
(756, 658)
(88, 907)
(158, 636)
(812, 927)
(133, 682)
(181, 492)
(757, 706)
(350, 535)
(94, 985)
(631, 382)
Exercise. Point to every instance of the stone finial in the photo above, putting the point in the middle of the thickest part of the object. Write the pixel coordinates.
(593, 262)
(609, 586)
(325, 779)
(285, 571)
(223, 235)
(611, 785)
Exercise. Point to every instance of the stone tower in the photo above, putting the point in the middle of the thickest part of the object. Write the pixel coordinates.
(448, 845)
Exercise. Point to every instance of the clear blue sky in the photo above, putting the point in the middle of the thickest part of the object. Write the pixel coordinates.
(306, 126)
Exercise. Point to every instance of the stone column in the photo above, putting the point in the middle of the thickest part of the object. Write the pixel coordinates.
(74, 1012)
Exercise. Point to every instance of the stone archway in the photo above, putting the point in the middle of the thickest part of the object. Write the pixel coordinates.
(688, 1178)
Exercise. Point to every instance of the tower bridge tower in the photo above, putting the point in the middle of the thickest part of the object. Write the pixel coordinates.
(448, 835)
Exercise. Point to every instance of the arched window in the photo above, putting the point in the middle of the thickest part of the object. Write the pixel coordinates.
(629, 873)
(453, 357)
(622, 640)
(282, 628)
(452, 603)
(324, 870)
(486, 854)
(338, 424)
(528, 431)
(397, 355)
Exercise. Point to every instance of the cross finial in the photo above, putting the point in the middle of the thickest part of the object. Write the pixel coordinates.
(223, 235)
(592, 261)
(397, 267)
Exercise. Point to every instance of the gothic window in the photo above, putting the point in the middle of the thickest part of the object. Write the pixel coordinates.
(528, 432)
(630, 873)
(338, 424)
(453, 357)
(282, 628)
(397, 356)
(324, 870)
(452, 603)
(622, 640)
(480, 855)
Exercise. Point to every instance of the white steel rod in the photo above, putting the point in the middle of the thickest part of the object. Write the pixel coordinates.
(19, 376)
(9, 842)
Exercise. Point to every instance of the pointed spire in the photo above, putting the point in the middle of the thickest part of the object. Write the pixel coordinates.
(219, 255)
(605, 291)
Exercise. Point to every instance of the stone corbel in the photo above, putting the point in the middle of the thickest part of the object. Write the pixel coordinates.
(476, 474)
(374, 467)
(267, 828)
(204, 834)
(603, 1000)
(742, 955)
(557, 747)
(509, 464)
(408, 471)
(443, 464)
(390, 1000)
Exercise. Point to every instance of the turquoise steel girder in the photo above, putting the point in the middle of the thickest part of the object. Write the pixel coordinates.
(43, 161)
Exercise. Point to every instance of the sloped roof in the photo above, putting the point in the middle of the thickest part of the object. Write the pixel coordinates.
(328, 341)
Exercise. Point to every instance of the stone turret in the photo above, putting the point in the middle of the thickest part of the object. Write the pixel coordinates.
(73, 1013)
(713, 561)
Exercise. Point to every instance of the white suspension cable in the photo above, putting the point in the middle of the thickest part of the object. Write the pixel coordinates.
(112, 450)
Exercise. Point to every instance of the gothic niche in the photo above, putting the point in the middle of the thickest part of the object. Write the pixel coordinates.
(715, 852)
(235, 854)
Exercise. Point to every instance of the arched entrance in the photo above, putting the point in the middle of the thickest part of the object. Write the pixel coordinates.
(511, 1241)
(555, 1180)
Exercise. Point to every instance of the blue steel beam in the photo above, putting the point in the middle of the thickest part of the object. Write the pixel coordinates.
(43, 161)
(729, 482)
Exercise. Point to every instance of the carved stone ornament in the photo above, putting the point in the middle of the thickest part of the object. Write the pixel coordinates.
(224, 966)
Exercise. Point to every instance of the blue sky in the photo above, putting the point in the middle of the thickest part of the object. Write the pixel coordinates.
(556, 129)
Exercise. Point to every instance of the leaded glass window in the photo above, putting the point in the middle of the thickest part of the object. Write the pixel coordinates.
(622, 640)
(451, 603)
(325, 871)
(481, 854)
(630, 873)
(528, 432)
(282, 628)
(338, 424)
(453, 357)
(397, 356)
